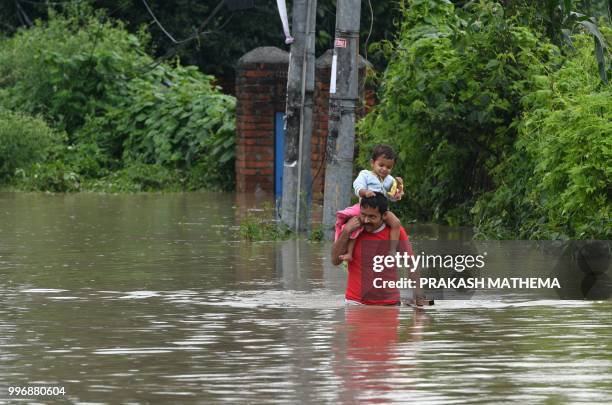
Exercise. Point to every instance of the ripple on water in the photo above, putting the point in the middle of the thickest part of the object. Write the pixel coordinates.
(159, 307)
(135, 350)
(42, 290)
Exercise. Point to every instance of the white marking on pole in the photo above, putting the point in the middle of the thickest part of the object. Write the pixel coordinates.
(334, 70)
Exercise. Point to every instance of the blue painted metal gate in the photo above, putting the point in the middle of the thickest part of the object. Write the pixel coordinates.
(279, 158)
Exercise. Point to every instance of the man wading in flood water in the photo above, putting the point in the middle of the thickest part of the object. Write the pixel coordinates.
(373, 241)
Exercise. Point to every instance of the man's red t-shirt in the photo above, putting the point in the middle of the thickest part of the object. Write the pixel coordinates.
(361, 278)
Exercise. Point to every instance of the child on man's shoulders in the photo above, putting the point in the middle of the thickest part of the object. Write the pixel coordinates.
(378, 179)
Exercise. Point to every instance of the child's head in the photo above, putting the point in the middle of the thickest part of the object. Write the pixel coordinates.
(383, 160)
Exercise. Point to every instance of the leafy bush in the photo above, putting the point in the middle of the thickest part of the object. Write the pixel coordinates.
(449, 98)
(557, 182)
(215, 169)
(138, 177)
(86, 74)
(53, 176)
(23, 141)
(87, 159)
(175, 118)
(178, 119)
(69, 67)
(559, 19)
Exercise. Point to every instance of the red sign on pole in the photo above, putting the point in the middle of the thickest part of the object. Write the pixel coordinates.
(340, 43)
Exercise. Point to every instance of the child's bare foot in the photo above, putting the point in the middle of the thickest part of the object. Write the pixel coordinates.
(348, 257)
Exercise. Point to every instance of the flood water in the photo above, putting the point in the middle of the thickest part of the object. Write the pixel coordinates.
(152, 298)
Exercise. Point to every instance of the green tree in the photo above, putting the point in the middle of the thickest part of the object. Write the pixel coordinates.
(560, 19)
(449, 99)
(84, 73)
(556, 183)
(228, 35)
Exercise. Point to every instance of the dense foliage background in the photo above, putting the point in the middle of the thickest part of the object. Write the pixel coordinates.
(500, 109)
(556, 181)
(128, 123)
(106, 75)
(496, 123)
(227, 35)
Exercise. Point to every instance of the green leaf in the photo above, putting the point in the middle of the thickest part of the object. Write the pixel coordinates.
(226, 156)
(492, 64)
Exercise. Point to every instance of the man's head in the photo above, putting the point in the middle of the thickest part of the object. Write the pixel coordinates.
(372, 211)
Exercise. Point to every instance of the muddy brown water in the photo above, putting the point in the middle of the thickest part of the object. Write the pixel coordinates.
(151, 298)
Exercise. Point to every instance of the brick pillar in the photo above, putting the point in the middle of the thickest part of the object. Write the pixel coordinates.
(261, 86)
(321, 115)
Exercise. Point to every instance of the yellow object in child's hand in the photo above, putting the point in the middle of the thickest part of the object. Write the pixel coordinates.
(393, 188)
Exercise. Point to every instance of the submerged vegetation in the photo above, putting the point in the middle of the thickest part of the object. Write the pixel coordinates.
(256, 228)
(105, 114)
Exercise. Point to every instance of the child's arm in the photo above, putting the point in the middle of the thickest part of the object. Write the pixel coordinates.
(395, 225)
(360, 185)
(399, 192)
(366, 193)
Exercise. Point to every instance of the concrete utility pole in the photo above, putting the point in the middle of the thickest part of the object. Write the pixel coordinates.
(297, 179)
(342, 103)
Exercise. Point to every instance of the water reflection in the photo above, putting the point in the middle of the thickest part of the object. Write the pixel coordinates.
(366, 352)
(150, 298)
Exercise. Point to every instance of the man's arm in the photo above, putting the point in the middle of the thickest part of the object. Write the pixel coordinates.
(340, 246)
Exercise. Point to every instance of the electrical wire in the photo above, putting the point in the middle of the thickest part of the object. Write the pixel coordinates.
(21, 20)
(178, 45)
(9, 26)
(212, 14)
(226, 22)
(22, 14)
(188, 39)
(369, 33)
(159, 24)
(362, 87)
